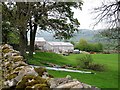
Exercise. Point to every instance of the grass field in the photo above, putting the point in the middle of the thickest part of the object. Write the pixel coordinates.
(105, 79)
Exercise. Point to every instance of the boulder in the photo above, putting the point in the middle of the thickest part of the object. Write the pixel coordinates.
(10, 83)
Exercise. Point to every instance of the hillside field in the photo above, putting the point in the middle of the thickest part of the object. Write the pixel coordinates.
(105, 79)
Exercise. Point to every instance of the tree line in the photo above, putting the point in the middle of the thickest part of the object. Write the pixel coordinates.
(83, 45)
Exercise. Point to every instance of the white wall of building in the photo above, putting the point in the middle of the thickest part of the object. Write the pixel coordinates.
(58, 47)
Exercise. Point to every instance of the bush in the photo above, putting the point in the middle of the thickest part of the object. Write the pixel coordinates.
(85, 61)
(96, 67)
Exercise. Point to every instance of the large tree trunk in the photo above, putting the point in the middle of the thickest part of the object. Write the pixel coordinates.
(22, 43)
(5, 39)
(32, 38)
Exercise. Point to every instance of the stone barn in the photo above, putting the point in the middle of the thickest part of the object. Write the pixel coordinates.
(59, 47)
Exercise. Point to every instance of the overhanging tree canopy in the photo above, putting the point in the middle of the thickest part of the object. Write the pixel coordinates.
(57, 16)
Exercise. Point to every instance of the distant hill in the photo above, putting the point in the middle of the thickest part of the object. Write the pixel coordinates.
(82, 33)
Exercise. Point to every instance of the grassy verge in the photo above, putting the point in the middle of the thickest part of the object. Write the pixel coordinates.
(47, 57)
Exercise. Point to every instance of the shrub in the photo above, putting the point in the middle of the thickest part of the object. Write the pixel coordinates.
(85, 61)
(96, 67)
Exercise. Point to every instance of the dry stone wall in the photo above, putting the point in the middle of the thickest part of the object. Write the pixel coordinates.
(18, 74)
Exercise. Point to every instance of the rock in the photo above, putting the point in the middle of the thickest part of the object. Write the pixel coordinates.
(6, 63)
(15, 54)
(18, 64)
(70, 85)
(6, 46)
(10, 83)
(45, 77)
(58, 81)
(77, 86)
(86, 85)
(52, 83)
(17, 58)
(25, 71)
(7, 54)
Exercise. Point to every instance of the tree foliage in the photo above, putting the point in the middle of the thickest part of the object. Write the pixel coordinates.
(8, 33)
(48, 16)
(83, 45)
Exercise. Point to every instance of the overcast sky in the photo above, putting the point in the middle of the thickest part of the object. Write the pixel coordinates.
(85, 17)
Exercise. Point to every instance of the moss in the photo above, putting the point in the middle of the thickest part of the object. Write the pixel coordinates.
(6, 50)
(28, 77)
(9, 64)
(28, 88)
(21, 84)
(40, 71)
(32, 83)
(34, 80)
(40, 79)
(9, 70)
(18, 69)
(5, 60)
(41, 87)
(21, 64)
(17, 58)
(11, 76)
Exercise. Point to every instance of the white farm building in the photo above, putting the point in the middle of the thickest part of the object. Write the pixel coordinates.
(39, 41)
(59, 47)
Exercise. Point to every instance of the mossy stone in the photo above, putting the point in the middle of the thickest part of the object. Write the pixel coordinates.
(40, 71)
(28, 88)
(18, 69)
(17, 58)
(11, 76)
(41, 87)
(30, 80)
(6, 50)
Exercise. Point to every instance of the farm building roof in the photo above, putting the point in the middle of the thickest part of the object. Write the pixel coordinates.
(38, 39)
(60, 44)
